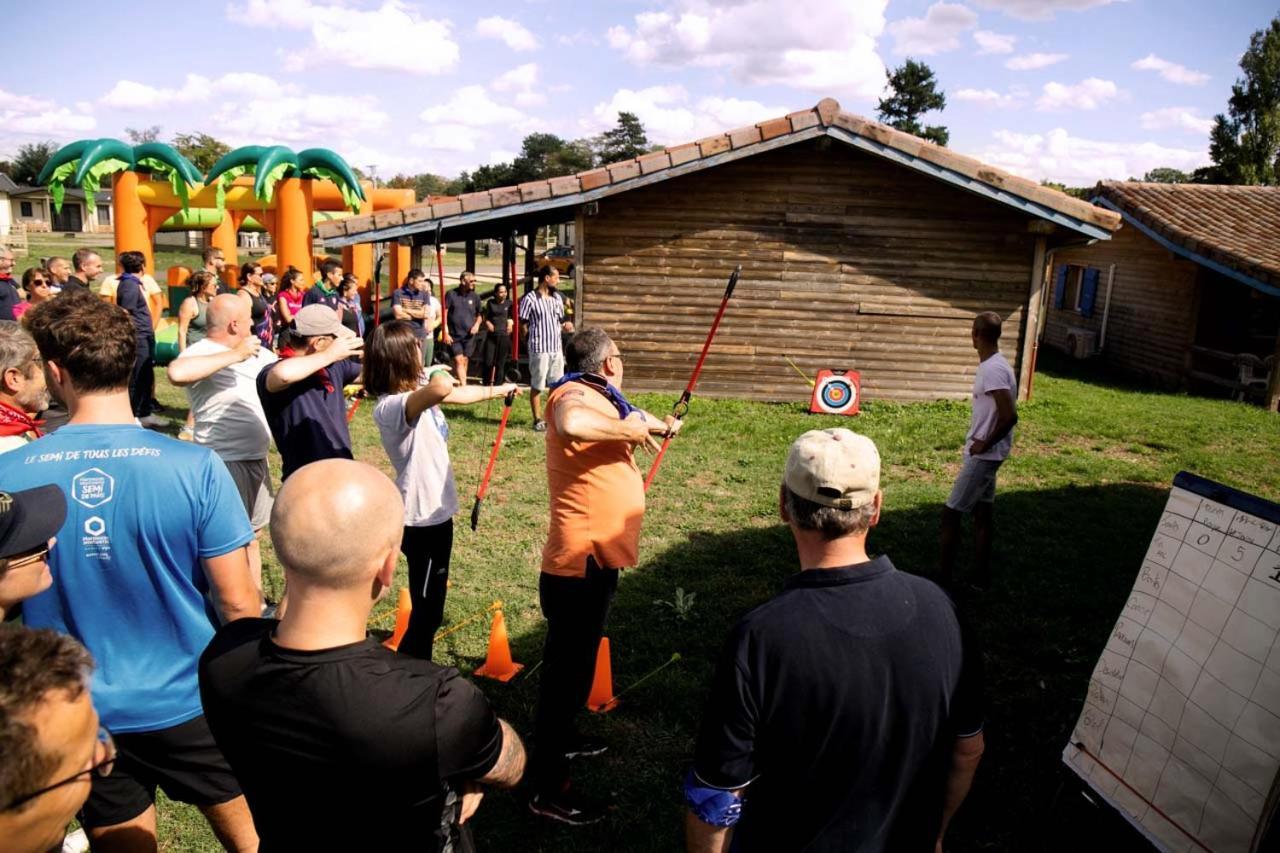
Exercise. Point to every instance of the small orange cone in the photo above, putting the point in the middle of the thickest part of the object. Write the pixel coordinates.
(402, 620)
(498, 664)
(601, 699)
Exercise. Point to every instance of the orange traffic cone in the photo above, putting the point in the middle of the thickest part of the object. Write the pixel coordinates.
(601, 699)
(402, 620)
(498, 664)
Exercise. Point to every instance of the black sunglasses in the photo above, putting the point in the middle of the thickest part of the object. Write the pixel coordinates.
(102, 768)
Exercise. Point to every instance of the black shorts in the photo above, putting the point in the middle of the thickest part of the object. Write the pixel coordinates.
(463, 346)
(182, 760)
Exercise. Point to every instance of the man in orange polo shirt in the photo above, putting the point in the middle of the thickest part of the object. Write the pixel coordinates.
(597, 505)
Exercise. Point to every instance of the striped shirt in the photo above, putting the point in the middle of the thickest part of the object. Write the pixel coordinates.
(543, 316)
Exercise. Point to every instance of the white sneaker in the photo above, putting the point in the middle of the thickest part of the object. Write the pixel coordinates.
(153, 421)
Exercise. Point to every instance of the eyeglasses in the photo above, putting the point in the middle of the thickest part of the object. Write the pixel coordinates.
(26, 560)
(100, 768)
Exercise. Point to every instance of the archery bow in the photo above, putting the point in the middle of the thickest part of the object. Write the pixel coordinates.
(483, 489)
(681, 408)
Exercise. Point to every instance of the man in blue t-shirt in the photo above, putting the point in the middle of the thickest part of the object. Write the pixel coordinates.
(150, 559)
(302, 392)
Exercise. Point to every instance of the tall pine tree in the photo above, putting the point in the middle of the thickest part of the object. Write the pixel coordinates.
(913, 92)
(623, 142)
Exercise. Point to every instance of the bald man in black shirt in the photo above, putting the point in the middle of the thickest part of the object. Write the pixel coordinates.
(339, 743)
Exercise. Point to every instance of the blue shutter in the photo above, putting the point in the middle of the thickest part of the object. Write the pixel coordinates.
(1060, 287)
(1089, 291)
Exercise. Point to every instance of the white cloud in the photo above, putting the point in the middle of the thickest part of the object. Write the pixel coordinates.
(670, 116)
(1040, 10)
(132, 95)
(471, 106)
(1088, 94)
(509, 32)
(1076, 161)
(1032, 61)
(989, 42)
(445, 137)
(521, 83)
(392, 37)
(990, 98)
(25, 117)
(826, 46)
(938, 31)
(298, 120)
(1171, 71)
(1176, 118)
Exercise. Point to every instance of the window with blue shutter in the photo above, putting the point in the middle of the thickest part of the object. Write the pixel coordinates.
(1088, 291)
(1060, 287)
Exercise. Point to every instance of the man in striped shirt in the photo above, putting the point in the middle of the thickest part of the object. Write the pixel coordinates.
(542, 313)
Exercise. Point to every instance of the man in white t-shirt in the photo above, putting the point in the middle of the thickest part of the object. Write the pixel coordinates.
(220, 374)
(986, 446)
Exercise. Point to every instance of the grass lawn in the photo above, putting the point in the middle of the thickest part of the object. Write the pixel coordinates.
(1078, 503)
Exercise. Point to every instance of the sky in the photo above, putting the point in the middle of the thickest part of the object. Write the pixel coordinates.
(1065, 90)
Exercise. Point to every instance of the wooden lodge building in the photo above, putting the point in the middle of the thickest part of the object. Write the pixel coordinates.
(1186, 295)
(862, 248)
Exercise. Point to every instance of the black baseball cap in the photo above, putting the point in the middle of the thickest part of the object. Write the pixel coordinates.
(29, 518)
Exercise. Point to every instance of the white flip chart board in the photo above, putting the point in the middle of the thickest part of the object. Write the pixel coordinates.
(1180, 729)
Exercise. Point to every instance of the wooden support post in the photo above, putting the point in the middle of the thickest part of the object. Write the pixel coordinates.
(579, 269)
(471, 254)
(1031, 322)
(1273, 383)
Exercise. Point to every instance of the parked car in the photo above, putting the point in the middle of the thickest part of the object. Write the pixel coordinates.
(560, 257)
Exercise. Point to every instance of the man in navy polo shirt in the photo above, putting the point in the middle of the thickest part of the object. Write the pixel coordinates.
(846, 712)
(325, 291)
(150, 558)
(302, 392)
(131, 295)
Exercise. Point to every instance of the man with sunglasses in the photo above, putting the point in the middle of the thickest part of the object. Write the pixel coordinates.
(51, 743)
(302, 392)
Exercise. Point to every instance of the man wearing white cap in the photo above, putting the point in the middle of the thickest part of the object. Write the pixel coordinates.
(302, 392)
(845, 713)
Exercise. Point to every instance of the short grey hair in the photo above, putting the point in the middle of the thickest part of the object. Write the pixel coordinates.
(17, 348)
(831, 522)
(588, 350)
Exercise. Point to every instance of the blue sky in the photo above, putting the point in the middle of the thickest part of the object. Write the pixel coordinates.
(1070, 90)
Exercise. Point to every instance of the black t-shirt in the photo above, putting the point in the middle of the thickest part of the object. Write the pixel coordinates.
(462, 310)
(308, 419)
(132, 297)
(350, 748)
(498, 313)
(837, 704)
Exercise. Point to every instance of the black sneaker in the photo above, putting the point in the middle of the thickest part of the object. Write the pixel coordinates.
(585, 747)
(567, 807)
(539, 425)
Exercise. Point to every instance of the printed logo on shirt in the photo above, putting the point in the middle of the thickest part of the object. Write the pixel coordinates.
(95, 543)
(92, 488)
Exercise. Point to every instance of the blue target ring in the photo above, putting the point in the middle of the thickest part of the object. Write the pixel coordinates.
(836, 393)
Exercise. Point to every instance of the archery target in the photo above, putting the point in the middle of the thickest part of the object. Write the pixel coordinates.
(836, 393)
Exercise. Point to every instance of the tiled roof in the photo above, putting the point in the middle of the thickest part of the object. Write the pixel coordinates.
(826, 116)
(1235, 226)
(6, 184)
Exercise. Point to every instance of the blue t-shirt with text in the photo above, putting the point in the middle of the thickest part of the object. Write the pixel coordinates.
(143, 509)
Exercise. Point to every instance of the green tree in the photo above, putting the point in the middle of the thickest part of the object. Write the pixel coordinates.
(423, 185)
(1244, 144)
(144, 134)
(913, 92)
(1165, 175)
(626, 140)
(545, 155)
(31, 159)
(201, 149)
(487, 177)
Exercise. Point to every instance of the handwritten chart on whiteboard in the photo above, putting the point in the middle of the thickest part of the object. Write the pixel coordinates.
(1180, 729)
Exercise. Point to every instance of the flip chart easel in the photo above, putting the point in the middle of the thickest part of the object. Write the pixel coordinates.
(1180, 729)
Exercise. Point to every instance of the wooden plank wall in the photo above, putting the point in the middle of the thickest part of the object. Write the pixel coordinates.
(848, 262)
(1151, 325)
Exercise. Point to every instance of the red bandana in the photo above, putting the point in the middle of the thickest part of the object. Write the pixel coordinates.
(290, 352)
(17, 422)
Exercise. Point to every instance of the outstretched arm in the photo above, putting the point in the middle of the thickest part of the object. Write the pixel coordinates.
(290, 370)
(192, 368)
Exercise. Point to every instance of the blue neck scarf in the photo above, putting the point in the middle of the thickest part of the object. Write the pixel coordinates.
(599, 383)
